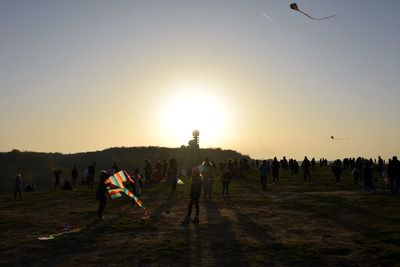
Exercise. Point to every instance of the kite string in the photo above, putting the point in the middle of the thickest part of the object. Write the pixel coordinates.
(317, 18)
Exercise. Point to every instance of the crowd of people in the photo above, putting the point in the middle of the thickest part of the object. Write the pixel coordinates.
(203, 176)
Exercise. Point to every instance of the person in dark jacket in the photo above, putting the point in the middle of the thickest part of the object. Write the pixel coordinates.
(306, 164)
(264, 170)
(337, 171)
(90, 175)
(195, 192)
(74, 175)
(57, 176)
(18, 186)
(225, 179)
(394, 175)
(275, 166)
(115, 167)
(101, 195)
(208, 175)
(173, 173)
(368, 176)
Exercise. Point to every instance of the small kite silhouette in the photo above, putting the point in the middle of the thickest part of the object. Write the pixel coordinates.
(339, 138)
(296, 8)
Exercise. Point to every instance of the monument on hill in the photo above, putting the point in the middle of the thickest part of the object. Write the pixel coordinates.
(195, 149)
(194, 143)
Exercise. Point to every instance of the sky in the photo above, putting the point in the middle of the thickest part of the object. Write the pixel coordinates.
(253, 76)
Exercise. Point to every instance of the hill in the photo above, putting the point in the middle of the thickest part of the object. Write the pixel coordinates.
(38, 167)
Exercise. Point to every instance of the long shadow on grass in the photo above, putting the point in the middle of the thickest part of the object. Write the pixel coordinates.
(199, 245)
(197, 233)
(226, 249)
(61, 249)
(274, 251)
(64, 248)
(349, 217)
(171, 201)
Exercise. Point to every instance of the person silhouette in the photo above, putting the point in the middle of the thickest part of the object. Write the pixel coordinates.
(74, 176)
(394, 175)
(337, 171)
(18, 186)
(90, 175)
(101, 196)
(264, 170)
(173, 173)
(208, 178)
(225, 180)
(275, 166)
(306, 164)
(57, 176)
(115, 167)
(195, 192)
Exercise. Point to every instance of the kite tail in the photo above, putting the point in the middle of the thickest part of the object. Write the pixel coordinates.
(326, 17)
(317, 18)
(138, 202)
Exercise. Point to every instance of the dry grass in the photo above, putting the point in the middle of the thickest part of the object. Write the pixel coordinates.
(292, 224)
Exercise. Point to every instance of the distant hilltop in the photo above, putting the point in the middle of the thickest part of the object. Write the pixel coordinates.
(39, 167)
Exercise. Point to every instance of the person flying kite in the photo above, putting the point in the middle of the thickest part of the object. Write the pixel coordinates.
(295, 7)
(116, 186)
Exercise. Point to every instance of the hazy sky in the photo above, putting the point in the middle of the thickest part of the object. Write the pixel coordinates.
(88, 75)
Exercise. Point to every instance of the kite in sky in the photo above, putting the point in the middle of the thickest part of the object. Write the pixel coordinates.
(339, 138)
(296, 8)
(115, 186)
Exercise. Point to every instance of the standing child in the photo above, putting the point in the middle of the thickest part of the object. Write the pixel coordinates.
(195, 192)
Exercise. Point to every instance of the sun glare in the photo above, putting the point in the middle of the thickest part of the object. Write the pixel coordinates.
(194, 107)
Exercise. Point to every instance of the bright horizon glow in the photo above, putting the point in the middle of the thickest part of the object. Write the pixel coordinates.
(194, 106)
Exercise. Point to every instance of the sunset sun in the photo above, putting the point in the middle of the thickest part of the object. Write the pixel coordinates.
(194, 107)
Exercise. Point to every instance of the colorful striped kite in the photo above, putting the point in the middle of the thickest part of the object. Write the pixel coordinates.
(115, 186)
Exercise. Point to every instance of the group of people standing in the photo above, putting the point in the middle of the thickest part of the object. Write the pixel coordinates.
(361, 170)
(203, 179)
(368, 171)
(275, 166)
(19, 184)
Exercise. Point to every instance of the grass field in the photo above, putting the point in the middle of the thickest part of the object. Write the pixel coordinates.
(295, 223)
